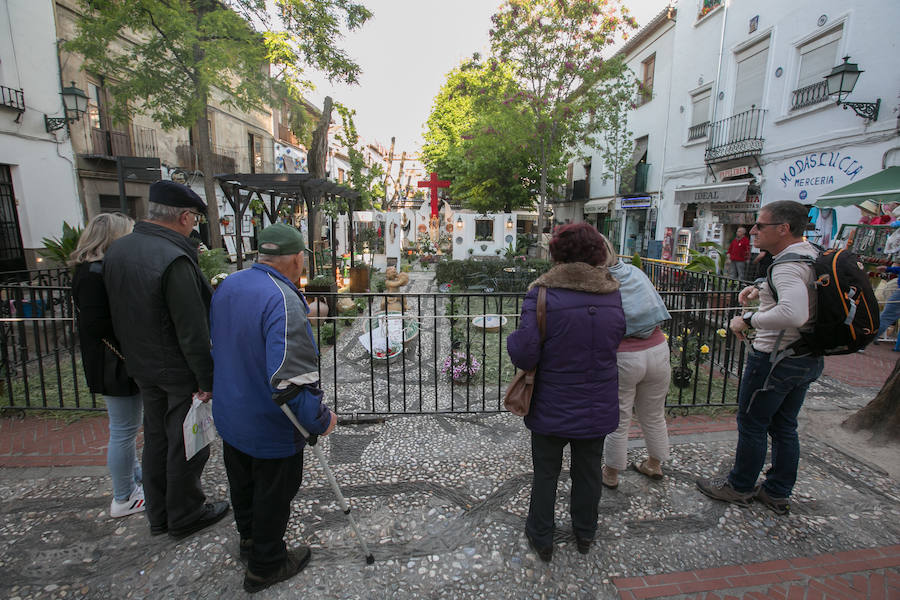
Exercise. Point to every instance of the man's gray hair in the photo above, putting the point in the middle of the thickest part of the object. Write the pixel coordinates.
(163, 212)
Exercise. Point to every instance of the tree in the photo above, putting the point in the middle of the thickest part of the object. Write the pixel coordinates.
(316, 161)
(361, 178)
(881, 416)
(610, 121)
(555, 51)
(480, 136)
(186, 48)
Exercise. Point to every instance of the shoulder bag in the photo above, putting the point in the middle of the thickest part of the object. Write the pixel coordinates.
(517, 398)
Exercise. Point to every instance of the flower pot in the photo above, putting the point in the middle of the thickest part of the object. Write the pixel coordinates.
(681, 376)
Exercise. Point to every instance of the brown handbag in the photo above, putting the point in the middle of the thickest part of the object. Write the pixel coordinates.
(517, 398)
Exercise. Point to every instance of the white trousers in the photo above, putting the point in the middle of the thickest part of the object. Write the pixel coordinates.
(643, 384)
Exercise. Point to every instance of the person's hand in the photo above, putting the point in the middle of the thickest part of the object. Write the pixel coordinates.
(203, 396)
(748, 295)
(331, 425)
(738, 326)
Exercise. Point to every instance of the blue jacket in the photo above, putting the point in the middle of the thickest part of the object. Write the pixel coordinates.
(262, 340)
(576, 391)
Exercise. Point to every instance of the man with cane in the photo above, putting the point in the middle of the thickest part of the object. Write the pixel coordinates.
(265, 356)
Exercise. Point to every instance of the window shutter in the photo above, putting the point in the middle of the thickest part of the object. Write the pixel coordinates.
(818, 57)
(751, 75)
(700, 107)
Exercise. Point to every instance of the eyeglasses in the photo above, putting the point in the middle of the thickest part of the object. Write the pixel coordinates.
(759, 226)
(197, 216)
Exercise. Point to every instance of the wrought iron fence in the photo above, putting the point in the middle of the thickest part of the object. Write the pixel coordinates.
(12, 98)
(387, 354)
(737, 136)
(809, 95)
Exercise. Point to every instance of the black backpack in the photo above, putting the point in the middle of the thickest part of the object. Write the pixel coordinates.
(846, 308)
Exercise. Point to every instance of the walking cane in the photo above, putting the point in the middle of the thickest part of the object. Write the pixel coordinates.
(312, 441)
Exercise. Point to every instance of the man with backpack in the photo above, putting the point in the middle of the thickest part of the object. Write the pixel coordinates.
(776, 378)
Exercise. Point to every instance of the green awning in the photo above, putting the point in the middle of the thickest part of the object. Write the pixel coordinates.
(881, 187)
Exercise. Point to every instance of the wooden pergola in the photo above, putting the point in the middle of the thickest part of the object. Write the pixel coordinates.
(274, 191)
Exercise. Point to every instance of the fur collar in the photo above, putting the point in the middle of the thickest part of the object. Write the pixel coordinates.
(579, 277)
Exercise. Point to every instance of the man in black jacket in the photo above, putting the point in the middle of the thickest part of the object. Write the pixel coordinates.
(159, 300)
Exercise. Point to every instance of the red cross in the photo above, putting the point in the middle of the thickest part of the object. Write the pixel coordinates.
(434, 183)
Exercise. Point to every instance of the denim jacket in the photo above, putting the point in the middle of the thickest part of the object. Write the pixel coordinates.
(644, 309)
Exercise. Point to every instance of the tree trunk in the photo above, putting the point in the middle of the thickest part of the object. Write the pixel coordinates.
(317, 158)
(204, 153)
(881, 416)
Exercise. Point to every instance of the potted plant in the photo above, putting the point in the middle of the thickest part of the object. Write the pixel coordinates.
(323, 284)
(59, 249)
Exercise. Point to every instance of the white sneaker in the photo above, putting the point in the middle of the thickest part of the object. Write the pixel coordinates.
(134, 504)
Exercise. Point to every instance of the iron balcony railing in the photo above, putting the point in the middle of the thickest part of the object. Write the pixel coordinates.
(737, 136)
(809, 95)
(106, 142)
(12, 98)
(698, 132)
(223, 160)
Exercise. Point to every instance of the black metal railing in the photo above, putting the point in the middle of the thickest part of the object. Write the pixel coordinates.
(12, 98)
(737, 136)
(698, 131)
(809, 95)
(430, 337)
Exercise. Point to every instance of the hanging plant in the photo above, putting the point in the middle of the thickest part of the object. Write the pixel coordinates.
(256, 206)
(225, 221)
(254, 221)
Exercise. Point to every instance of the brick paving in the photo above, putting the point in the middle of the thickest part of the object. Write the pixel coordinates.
(865, 573)
(869, 368)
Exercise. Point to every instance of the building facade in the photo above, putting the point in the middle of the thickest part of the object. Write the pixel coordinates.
(37, 181)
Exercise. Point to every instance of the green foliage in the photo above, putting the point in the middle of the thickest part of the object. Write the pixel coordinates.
(361, 178)
(465, 273)
(555, 50)
(610, 121)
(703, 263)
(61, 248)
(213, 262)
(321, 281)
(479, 136)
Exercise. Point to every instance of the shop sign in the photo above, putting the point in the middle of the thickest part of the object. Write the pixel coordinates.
(734, 172)
(819, 168)
(642, 202)
(737, 206)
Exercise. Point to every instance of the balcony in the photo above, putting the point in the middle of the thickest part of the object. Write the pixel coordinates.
(809, 95)
(698, 131)
(286, 135)
(736, 137)
(12, 98)
(110, 143)
(144, 141)
(224, 161)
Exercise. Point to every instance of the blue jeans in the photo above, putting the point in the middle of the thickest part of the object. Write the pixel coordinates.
(771, 411)
(125, 414)
(889, 316)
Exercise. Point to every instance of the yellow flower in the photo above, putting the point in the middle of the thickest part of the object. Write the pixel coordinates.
(666, 335)
(678, 338)
(704, 349)
(721, 332)
(688, 331)
(681, 348)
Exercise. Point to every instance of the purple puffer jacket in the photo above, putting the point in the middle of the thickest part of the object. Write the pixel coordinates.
(576, 391)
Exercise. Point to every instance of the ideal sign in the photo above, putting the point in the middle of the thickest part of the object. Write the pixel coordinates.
(819, 168)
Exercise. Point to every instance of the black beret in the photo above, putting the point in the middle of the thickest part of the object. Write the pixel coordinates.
(174, 194)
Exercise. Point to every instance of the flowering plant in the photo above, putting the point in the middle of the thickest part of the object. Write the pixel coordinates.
(460, 365)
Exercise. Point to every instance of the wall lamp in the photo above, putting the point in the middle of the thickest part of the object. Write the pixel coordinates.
(459, 223)
(75, 102)
(509, 223)
(841, 82)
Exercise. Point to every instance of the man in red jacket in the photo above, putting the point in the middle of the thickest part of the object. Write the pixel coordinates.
(738, 253)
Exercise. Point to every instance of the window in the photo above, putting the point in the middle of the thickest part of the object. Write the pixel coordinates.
(111, 204)
(817, 57)
(256, 157)
(751, 76)
(340, 176)
(699, 114)
(95, 105)
(645, 91)
(484, 230)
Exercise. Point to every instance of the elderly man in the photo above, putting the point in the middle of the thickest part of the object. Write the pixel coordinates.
(738, 254)
(774, 384)
(159, 301)
(264, 351)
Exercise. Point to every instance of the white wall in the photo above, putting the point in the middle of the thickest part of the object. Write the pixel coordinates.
(464, 237)
(41, 163)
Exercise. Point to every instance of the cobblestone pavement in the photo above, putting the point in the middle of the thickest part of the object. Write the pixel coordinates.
(441, 500)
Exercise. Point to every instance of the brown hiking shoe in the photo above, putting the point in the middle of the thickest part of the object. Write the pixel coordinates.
(779, 506)
(296, 561)
(718, 488)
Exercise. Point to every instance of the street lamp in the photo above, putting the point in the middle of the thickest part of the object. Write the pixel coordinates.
(841, 82)
(75, 102)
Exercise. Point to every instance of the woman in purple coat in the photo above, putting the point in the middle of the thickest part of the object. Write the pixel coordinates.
(575, 399)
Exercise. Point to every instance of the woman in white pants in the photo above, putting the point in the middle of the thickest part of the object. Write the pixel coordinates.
(644, 374)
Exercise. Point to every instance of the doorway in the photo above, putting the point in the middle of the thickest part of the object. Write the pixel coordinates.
(12, 255)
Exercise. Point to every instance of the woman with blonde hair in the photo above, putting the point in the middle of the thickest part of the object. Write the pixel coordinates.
(644, 373)
(104, 365)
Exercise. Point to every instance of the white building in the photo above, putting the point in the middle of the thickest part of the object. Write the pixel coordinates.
(37, 180)
(740, 108)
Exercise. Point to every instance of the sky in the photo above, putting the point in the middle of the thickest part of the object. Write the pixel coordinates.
(405, 52)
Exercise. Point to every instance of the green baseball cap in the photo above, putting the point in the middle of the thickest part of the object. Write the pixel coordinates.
(280, 239)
